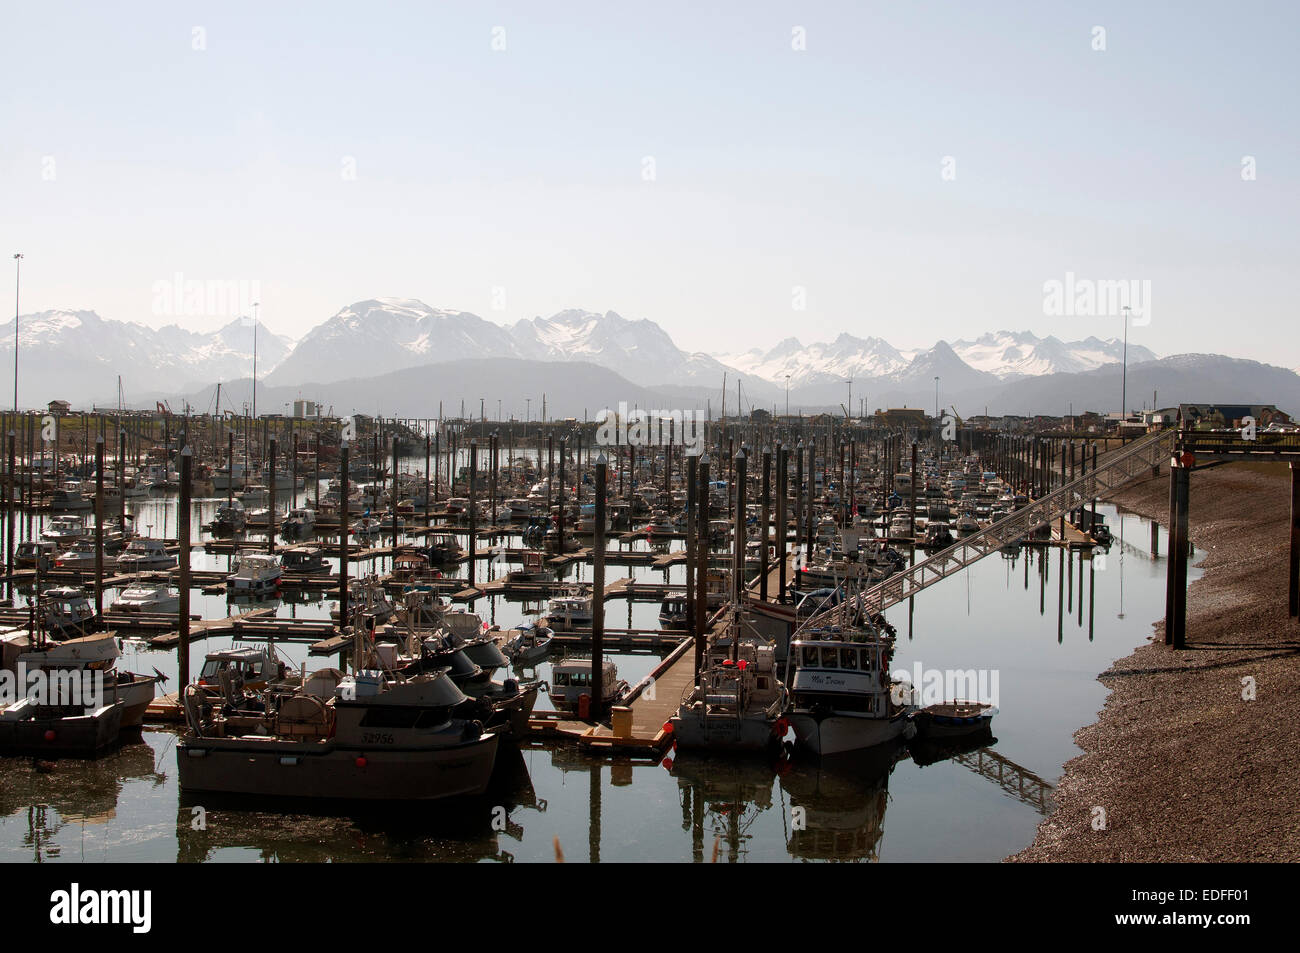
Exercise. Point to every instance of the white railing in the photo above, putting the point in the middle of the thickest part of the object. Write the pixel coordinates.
(1139, 457)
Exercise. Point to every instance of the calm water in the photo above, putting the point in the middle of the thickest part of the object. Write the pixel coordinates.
(1046, 622)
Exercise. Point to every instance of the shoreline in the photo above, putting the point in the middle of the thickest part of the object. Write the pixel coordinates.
(1184, 767)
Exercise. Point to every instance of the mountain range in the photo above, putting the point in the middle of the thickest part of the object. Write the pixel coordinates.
(351, 358)
(78, 356)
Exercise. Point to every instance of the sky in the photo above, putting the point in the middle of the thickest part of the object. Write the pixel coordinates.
(740, 174)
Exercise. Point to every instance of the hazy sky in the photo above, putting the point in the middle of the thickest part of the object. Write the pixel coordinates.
(332, 152)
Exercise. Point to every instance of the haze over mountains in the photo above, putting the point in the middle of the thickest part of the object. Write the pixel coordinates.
(377, 354)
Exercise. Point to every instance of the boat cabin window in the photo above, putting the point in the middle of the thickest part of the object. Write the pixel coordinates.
(389, 716)
(810, 656)
(830, 658)
(848, 658)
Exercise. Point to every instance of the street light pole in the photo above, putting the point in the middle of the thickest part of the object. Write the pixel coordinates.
(1123, 398)
(787, 395)
(18, 272)
(255, 307)
(936, 397)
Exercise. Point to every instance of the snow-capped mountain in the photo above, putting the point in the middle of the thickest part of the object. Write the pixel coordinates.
(389, 334)
(1010, 354)
(78, 355)
(845, 357)
(1005, 355)
(640, 350)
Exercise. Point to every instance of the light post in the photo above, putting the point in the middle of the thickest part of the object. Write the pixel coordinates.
(18, 272)
(255, 307)
(787, 396)
(1123, 392)
(936, 397)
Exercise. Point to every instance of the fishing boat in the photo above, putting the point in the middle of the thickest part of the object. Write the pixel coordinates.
(368, 601)
(938, 535)
(257, 574)
(302, 560)
(841, 696)
(78, 731)
(68, 498)
(35, 554)
(737, 703)
(443, 548)
(953, 719)
(65, 530)
(255, 666)
(67, 612)
(300, 523)
(369, 736)
(228, 478)
(518, 508)
(533, 568)
(147, 597)
(570, 610)
(230, 517)
(253, 493)
(92, 655)
(81, 556)
(366, 528)
(143, 554)
(529, 645)
(572, 678)
(504, 706)
(674, 613)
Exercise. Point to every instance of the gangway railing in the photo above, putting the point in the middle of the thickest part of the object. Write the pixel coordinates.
(1136, 459)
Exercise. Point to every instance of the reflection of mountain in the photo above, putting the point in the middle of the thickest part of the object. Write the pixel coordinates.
(72, 792)
(720, 800)
(843, 801)
(314, 832)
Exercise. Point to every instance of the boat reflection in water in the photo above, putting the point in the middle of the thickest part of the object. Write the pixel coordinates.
(69, 794)
(837, 803)
(721, 800)
(208, 825)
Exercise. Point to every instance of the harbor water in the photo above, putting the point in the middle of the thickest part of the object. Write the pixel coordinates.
(1037, 624)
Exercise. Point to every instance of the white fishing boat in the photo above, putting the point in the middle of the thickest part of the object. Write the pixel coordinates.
(570, 610)
(97, 653)
(81, 556)
(529, 645)
(147, 597)
(300, 523)
(65, 530)
(572, 678)
(736, 704)
(257, 574)
(841, 696)
(143, 554)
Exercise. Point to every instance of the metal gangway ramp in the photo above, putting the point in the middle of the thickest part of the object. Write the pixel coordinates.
(1139, 457)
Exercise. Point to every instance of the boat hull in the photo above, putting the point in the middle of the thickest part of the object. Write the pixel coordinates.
(291, 770)
(840, 732)
(77, 736)
(693, 731)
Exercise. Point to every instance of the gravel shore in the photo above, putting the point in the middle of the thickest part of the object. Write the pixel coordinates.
(1184, 767)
